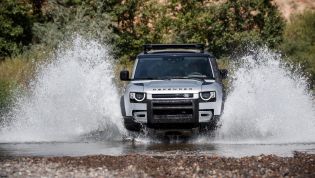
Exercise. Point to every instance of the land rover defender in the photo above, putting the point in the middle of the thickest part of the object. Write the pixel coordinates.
(174, 89)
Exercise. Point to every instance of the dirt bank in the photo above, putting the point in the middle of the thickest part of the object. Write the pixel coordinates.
(300, 165)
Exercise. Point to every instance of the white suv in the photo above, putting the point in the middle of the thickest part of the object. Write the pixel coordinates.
(174, 89)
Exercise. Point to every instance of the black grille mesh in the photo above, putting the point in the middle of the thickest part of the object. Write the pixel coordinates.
(176, 95)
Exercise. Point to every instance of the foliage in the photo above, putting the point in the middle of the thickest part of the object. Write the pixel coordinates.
(224, 27)
(55, 22)
(5, 91)
(15, 27)
(239, 22)
(299, 42)
(58, 21)
(82, 17)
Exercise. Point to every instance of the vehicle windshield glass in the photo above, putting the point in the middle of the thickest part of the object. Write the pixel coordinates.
(173, 67)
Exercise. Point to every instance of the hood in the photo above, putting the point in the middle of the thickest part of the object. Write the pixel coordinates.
(174, 85)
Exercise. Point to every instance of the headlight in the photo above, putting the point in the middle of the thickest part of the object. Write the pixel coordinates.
(208, 96)
(137, 96)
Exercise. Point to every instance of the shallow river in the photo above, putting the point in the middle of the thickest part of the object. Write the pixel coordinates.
(128, 147)
(268, 110)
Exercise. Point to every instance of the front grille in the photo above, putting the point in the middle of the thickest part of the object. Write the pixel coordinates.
(172, 105)
(172, 111)
(175, 95)
(173, 114)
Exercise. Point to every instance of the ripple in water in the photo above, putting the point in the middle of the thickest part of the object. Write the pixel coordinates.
(71, 97)
(268, 103)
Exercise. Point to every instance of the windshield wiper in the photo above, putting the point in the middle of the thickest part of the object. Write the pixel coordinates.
(200, 77)
(196, 77)
(150, 78)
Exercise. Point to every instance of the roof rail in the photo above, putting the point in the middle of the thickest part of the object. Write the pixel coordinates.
(148, 47)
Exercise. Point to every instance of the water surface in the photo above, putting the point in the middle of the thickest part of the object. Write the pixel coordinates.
(122, 148)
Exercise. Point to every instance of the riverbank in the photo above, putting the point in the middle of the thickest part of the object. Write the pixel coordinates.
(135, 165)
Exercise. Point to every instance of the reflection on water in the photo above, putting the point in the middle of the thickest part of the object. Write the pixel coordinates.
(121, 148)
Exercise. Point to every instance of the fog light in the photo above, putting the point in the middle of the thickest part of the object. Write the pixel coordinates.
(205, 116)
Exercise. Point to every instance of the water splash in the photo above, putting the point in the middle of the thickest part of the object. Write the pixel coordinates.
(268, 103)
(72, 97)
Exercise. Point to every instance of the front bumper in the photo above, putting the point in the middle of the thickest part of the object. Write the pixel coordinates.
(170, 114)
(180, 129)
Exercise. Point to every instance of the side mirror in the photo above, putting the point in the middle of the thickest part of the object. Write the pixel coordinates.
(223, 73)
(124, 75)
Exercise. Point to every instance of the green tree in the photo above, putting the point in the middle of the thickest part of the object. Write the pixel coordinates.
(229, 26)
(299, 42)
(15, 26)
(237, 23)
(132, 26)
(224, 27)
(67, 17)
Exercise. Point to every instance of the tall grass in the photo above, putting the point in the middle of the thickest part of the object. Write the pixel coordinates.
(21, 68)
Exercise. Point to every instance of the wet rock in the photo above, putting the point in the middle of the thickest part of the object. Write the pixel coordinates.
(134, 165)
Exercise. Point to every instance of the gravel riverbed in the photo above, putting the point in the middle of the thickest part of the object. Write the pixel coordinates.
(135, 165)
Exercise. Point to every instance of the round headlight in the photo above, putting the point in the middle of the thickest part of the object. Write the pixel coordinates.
(206, 96)
(137, 96)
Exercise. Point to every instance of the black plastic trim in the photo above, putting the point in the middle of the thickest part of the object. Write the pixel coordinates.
(148, 47)
(152, 123)
(131, 125)
(210, 126)
(122, 106)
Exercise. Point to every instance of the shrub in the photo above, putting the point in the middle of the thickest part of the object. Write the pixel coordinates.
(299, 42)
(15, 27)
(73, 16)
(224, 27)
(5, 99)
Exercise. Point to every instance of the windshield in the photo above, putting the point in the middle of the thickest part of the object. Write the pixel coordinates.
(173, 67)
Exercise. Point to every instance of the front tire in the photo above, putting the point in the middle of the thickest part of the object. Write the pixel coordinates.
(131, 125)
(210, 126)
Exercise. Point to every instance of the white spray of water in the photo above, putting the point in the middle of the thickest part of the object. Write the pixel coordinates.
(268, 103)
(71, 97)
(74, 96)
